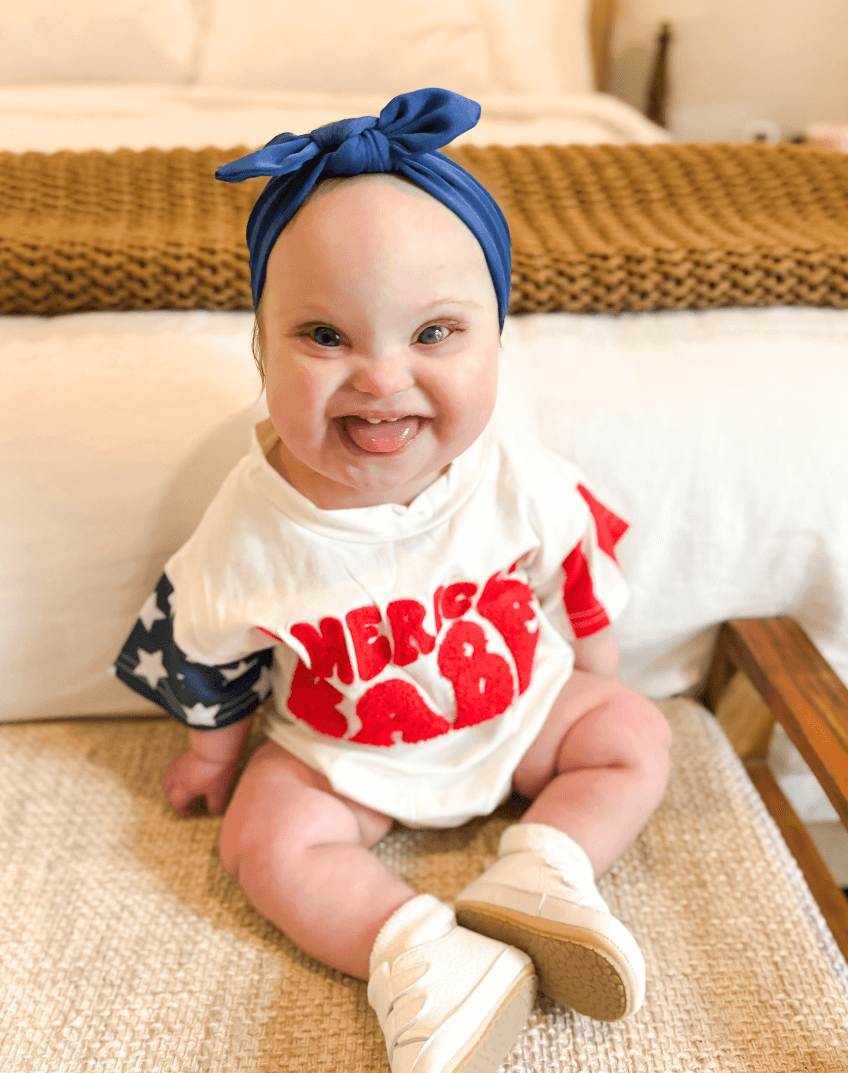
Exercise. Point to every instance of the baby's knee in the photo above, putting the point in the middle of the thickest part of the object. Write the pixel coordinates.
(628, 729)
(237, 844)
(264, 835)
(255, 839)
(650, 736)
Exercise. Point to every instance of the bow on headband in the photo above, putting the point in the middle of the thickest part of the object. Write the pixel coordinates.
(405, 139)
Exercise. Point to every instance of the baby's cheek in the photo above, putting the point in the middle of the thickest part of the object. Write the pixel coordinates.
(477, 406)
(292, 403)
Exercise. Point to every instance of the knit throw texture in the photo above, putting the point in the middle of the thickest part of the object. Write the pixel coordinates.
(594, 228)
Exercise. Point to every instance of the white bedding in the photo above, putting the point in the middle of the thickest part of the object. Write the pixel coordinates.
(713, 433)
(706, 430)
(48, 118)
(719, 434)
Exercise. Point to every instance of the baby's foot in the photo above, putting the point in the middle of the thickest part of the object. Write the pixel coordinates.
(541, 897)
(448, 1000)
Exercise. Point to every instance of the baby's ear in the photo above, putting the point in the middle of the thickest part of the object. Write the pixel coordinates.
(256, 344)
(257, 341)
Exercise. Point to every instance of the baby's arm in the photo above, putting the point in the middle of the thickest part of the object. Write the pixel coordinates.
(206, 768)
(197, 694)
(597, 653)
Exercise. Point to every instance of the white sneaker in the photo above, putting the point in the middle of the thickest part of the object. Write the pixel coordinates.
(454, 1003)
(541, 897)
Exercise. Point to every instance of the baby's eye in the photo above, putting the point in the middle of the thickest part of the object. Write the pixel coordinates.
(436, 333)
(324, 336)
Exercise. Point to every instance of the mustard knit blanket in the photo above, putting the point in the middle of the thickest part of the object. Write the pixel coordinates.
(594, 228)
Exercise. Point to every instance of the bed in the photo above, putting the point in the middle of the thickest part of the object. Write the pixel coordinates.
(635, 399)
(718, 432)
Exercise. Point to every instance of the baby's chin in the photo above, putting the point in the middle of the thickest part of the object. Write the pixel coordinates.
(372, 480)
(372, 489)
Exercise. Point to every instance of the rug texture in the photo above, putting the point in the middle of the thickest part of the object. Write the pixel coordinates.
(125, 947)
(595, 228)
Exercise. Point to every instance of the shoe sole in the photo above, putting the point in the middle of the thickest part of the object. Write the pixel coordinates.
(485, 1051)
(574, 967)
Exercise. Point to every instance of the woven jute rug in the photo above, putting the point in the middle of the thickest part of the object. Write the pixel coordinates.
(595, 228)
(125, 947)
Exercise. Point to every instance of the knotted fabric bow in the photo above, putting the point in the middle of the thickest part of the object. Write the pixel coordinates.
(405, 139)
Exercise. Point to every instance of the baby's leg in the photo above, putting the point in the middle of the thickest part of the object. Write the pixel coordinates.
(444, 996)
(300, 853)
(597, 771)
(598, 768)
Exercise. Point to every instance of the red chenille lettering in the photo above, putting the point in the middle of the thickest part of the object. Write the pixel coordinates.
(508, 605)
(456, 599)
(314, 700)
(437, 600)
(327, 648)
(411, 640)
(393, 709)
(481, 680)
(372, 649)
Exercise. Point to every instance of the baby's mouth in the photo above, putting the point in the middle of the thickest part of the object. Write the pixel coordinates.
(382, 437)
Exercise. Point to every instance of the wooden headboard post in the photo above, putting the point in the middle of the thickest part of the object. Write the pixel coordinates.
(656, 94)
(602, 14)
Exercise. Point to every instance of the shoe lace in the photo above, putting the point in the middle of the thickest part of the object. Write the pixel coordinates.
(404, 1033)
(577, 879)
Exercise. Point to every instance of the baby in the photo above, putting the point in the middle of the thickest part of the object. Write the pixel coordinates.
(427, 592)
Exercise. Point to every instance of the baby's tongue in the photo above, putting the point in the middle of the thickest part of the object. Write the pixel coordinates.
(383, 437)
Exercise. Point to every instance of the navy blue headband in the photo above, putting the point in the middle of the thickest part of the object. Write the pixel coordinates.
(405, 140)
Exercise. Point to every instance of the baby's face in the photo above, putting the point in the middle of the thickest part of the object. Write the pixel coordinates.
(380, 343)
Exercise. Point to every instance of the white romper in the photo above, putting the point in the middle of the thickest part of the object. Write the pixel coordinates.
(414, 651)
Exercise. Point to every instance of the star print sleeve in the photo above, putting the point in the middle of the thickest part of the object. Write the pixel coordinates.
(199, 695)
(593, 588)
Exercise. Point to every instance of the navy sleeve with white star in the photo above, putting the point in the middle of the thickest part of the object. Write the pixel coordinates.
(201, 696)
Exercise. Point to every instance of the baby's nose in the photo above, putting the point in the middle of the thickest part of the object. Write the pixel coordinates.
(383, 375)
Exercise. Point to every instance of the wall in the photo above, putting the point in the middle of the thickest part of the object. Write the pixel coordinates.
(738, 61)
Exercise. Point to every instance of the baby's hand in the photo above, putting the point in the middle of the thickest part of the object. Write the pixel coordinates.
(190, 776)
(206, 769)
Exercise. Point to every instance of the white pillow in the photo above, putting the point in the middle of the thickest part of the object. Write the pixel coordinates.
(117, 430)
(98, 41)
(720, 435)
(540, 46)
(725, 451)
(393, 46)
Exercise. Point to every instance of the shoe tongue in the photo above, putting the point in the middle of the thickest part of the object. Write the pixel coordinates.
(383, 437)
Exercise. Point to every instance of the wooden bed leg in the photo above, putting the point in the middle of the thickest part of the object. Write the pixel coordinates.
(830, 898)
(745, 718)
(802, 690)
(767, 669)
(722, 669)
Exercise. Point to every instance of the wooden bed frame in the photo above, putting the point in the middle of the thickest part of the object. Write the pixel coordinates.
(602, 14)
(766, 669)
